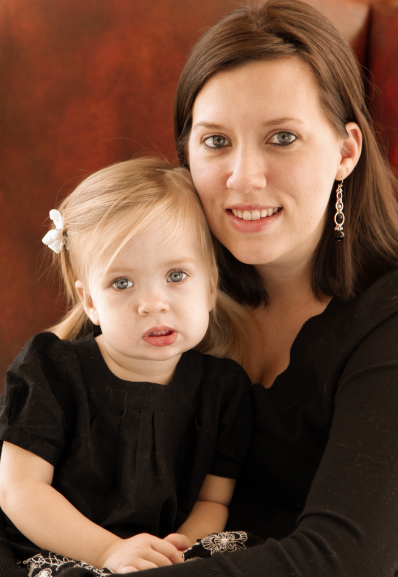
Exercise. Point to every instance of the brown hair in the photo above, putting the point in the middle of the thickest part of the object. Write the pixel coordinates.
(284, 29)
(113, 205)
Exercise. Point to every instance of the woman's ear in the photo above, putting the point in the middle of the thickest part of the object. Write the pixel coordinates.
(87, 302)
(350, 151)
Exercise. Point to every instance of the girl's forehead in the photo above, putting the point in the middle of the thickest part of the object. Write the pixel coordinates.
(156, 245)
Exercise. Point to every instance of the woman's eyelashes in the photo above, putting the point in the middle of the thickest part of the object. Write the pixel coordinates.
(215, 141)
(122, 283)
(281, 138)
(176, 276)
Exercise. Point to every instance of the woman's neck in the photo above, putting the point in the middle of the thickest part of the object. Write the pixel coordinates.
(287, 286)
(274, 327)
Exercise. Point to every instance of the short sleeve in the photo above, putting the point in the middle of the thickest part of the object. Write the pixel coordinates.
(36, 406)
(235, 422)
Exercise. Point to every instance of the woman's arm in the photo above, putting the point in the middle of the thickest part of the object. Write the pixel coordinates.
(210, 513)
(46, 518)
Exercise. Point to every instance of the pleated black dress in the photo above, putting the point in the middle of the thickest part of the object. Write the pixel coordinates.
(130, 456)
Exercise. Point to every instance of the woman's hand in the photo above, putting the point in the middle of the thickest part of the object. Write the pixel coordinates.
(144, 551)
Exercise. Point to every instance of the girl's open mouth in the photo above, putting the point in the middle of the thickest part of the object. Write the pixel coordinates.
(160, 336)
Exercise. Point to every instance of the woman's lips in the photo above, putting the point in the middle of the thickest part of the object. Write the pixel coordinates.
(243, 220)
(160, 336)
(255, 214)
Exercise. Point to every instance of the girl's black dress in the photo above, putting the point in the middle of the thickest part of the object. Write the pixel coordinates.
(130, 456)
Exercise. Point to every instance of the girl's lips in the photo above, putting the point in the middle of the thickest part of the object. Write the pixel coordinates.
(242, 225)
(160, 336)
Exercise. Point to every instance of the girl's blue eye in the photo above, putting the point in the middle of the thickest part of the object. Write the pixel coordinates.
(176, 276)
(283, 138)
(122, 283)
(216, 141)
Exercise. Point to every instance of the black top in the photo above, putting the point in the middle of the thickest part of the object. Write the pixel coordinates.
(321, 480)
(130, 456)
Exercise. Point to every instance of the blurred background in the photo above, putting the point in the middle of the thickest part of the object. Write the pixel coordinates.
(86, 84)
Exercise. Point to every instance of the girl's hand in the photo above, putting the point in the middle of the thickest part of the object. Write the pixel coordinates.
(181, 542)
(143, 551)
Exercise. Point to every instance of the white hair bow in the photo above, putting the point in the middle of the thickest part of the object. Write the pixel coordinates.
(53, 238)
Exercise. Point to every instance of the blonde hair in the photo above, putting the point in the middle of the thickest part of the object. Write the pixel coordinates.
(115, 204)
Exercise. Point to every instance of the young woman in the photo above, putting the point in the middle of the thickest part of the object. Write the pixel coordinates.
(270, 117)
(120, 449)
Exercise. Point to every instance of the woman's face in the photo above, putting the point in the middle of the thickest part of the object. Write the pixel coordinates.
(264, 157)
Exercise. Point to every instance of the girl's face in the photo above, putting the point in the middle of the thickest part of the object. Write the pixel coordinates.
(153, 302)
(264, 158)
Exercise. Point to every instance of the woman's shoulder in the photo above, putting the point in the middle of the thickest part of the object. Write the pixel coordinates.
(378, 304)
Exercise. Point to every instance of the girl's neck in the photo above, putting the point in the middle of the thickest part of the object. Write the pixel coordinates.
(138, 370)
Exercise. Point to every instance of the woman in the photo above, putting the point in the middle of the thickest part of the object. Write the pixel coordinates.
(272, 122)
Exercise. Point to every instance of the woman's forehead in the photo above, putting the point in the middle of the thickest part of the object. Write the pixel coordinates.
(282, 88)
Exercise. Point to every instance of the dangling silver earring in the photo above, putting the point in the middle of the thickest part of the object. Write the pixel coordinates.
(339, 217)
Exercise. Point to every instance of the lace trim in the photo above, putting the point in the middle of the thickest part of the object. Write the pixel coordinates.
(39, 566)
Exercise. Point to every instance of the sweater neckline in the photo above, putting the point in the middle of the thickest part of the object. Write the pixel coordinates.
(284, 390)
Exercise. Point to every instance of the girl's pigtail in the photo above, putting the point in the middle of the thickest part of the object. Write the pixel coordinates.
(74, 325)
(227, 332)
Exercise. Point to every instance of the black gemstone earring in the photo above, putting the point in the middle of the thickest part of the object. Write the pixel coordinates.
(339, 217)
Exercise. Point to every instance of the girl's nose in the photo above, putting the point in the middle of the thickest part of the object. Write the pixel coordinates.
(152, 305)
(248, 172)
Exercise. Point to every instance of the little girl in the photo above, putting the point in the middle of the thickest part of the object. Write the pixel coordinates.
(121, 443)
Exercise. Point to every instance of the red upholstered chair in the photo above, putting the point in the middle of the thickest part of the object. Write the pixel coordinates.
(85, 84)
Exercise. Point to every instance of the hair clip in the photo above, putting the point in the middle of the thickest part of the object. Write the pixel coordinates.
(53, 239)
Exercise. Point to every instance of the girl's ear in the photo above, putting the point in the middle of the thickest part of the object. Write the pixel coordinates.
(87, 302)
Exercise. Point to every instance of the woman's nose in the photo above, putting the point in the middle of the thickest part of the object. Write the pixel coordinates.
(152, 305)
(248, 172)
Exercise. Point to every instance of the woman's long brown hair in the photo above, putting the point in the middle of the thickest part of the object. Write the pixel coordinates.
(292, 29)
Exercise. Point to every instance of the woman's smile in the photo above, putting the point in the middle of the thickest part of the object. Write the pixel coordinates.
(256, 214)
(247, 220)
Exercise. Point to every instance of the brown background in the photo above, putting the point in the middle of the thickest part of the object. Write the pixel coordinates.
(87, 83)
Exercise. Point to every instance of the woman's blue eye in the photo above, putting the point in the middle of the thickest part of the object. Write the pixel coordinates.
(122, 283)
(216, 141)
(176, 276)
(283, 138)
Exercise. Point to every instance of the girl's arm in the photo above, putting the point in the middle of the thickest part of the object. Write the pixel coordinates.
(210, 512)
(47, 519)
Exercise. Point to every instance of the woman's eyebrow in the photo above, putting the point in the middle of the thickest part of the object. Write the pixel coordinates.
(208, 125)
(272, 122)
(282, 121)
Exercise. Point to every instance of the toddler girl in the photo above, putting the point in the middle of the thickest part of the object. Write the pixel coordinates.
(121, 443)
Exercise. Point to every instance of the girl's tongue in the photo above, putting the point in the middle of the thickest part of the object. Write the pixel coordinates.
(160, 337)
